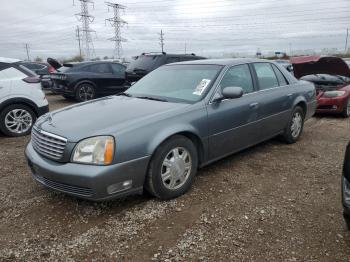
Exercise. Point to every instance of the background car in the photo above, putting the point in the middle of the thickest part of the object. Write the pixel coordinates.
(155, 135)
(88, 80)
(331, 77)
(43, 70)
(346, 187)
(21, 98)
(147, 62)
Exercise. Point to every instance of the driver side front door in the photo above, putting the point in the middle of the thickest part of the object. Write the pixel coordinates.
(233, 123)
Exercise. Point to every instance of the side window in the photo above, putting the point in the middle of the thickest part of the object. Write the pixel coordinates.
(172, 60)
(118, 70)
(281, 79)
(238, 76)
(99, 68)
(266, 76)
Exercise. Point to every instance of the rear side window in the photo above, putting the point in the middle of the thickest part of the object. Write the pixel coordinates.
(238, 76)
(266, 76)
(281, 79)
(118, 70)
(99, 68)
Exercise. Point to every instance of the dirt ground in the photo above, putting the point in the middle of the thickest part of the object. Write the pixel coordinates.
(273, 202)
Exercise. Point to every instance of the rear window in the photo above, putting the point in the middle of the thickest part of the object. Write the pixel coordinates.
(144, 63)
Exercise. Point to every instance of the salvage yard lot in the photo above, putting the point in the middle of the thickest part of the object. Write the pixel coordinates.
(273, 202)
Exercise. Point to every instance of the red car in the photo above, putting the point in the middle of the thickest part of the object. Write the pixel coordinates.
(331, 77)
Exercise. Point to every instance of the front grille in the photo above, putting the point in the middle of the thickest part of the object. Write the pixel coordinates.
(76, 190)
(47, 144)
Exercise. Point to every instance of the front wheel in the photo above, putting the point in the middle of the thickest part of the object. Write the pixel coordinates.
(172, 168)
(85, 92)
(17, 120)
(346, 112)
(295, 126)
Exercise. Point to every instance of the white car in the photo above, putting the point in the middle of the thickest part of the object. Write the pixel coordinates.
(22, 100)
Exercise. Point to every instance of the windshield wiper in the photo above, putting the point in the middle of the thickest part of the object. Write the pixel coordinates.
(152, 98)
(124, 94)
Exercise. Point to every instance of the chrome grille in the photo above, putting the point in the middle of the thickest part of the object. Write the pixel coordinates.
(47, 144)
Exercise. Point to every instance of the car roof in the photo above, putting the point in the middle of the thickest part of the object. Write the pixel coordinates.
(175, 55)
(8, 60)
(90, 63)
(223, 62)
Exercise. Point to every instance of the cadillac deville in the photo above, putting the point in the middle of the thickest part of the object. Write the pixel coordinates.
(156, 135)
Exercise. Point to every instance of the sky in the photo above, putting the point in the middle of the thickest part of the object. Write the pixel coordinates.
(213, 28)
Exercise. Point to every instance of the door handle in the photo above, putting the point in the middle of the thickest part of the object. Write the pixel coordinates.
(254, 105)
(289, 95)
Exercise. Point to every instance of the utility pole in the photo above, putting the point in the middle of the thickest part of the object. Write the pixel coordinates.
(346, 40)
(117, 23)
(27, 51)
(86, 19)
(161, 39)
(79, 39)
(185, 48)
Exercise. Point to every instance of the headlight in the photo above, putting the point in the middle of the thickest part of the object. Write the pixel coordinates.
(333, 93)
(95, 150)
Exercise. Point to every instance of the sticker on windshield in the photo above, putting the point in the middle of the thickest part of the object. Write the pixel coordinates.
(201, 87)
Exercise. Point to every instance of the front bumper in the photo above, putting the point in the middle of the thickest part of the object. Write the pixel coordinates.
(87, 181)
(331, 105)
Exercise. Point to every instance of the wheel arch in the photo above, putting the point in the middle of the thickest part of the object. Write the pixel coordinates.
(22, 101)
(188, 133)
(83, 81)
(300, 101)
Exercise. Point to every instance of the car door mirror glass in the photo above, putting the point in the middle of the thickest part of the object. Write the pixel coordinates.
(232, 92)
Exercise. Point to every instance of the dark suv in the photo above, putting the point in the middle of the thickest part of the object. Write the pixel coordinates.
(147, 62)
(88, 80)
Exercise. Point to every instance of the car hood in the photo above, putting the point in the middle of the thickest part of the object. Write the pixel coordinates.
(309, 65)
(105, 116)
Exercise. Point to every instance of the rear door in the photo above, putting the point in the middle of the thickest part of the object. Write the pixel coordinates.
(5, 82)
(233, 123)
(101, 74)
(118, 79)
(276, 98)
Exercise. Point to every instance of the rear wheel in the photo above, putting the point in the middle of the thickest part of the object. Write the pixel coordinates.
(172, 168)
(17, 120)
(346, 112)
(85, 92)
(295, 126)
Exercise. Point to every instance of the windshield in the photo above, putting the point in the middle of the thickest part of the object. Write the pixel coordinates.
(177, 83)
(144, 62)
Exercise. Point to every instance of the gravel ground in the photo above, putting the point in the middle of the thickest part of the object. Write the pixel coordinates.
(273, 202)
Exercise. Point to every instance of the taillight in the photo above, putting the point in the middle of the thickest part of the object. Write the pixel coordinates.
(31, 79)
(51, 69)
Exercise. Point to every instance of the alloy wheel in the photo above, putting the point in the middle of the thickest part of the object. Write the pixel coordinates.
(297, 123)
(86, 93)
(176, 168)
(18, 121)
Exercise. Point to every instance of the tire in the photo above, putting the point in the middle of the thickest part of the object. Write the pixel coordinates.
(347, 221)
(292, 133)
(160, 185)
(85, 92)
(346, 111)
(25, 119)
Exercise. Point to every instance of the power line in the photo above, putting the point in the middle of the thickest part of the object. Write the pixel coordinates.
(117, 23)
(86, 19)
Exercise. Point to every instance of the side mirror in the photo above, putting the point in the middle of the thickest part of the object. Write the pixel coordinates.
(232, 92)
